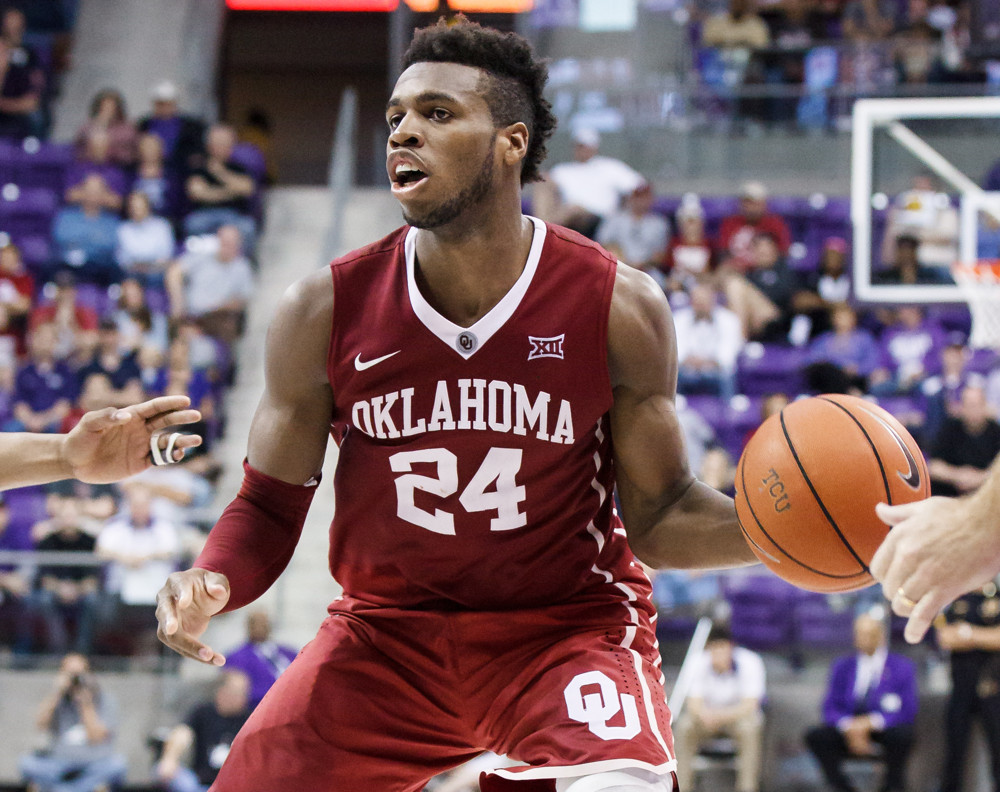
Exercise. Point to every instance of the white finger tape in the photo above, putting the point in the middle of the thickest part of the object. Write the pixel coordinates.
(166, 456)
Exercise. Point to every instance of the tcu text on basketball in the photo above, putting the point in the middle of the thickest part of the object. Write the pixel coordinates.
(776, 488)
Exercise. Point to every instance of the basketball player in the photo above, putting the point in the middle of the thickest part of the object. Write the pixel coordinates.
(937, 550)
(106, 445)
(488, 379)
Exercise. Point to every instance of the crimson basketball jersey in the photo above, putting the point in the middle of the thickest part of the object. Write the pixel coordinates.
(475, 463)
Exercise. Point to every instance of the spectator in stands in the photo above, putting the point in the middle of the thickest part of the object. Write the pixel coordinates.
(725, 699)
(260, 658)
(67, 595)
(910, 346)
(219, 192)
(179, 377)
(763, 297)
(213, 287)
(209, 729)
(140, 549)
(691, 255)
(905, 268)
(46, 387)
(964, 447)
(737, 232)
(928, 215)
(153, 178)
(146, 243)
(637, 234)
(17, 290)
(917, 45)
(22, 80)
(842, 360)
(822, 289)
(75, 322)
(86, 236)
(15, 579)
(709, 339)
(80, 719)
(140, 327)
(581, 193)
(871, 698)
(95, 159)
(108, 115)
(256, 130)
(943, 391)
(869, 20)
(111, 378)
(970, 632)
(182, 135)
(738, 27)
(772, 404)
(699, 436)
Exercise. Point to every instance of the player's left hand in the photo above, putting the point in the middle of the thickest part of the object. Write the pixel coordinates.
(111, 444)
(936, 551)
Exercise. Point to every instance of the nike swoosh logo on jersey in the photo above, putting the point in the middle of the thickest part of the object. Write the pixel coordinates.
(361, 365)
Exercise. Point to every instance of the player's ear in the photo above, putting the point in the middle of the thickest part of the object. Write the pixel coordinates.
(515, 138)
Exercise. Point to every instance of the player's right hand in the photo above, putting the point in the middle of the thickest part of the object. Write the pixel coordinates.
(184, 606)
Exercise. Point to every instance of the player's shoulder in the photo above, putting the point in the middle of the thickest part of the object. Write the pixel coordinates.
(565, 241)
(373, 252)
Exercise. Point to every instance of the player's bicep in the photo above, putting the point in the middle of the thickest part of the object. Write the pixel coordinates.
(650, 458)
(289, 432)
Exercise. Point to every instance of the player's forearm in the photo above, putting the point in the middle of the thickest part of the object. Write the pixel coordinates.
(27, 458)
(699, 530)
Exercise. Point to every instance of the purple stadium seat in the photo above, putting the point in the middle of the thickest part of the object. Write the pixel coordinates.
(35, 248)
(251, 158)
(27, 210)
(760, 607)
(667, 205)
(93, 296)
(770, 368)
(44, 167)
(742, 416)
(817, 624)
(711, 408)
(27, 506)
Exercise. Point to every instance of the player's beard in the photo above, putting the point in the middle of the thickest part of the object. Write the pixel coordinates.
(449, 210)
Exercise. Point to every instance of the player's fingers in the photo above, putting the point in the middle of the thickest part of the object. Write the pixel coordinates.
(166, 613)
(893, 515)
(161, 404)
(922, 616)
(881, 563)
(173, 418)
(902, 603)
(191, 647)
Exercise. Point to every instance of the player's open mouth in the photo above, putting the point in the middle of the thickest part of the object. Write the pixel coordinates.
(406, 178)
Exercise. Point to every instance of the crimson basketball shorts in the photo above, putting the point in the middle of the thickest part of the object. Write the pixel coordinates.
(385, 699)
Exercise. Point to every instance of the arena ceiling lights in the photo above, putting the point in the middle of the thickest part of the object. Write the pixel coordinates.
(472, 6)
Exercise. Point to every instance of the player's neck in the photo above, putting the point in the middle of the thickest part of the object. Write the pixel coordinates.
(464, 271)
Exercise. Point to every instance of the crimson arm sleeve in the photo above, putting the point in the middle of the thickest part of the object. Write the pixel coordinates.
(255, 537)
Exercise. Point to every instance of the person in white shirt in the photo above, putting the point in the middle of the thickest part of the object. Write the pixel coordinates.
(637, 234)
(581, 193)
(726, 698)
(145, 241)
(709, 339)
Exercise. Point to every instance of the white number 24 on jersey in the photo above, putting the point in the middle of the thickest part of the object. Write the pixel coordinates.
(498, 470)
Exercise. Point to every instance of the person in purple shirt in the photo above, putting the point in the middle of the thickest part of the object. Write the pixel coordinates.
(45, 388)
(841, 360)
(182, 135)
(871, 699)
(260, 658)
(96, 158)
(909, 347)
(86, 236)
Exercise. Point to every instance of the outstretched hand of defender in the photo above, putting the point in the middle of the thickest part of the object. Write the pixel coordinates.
(111, 444)
(184, 606)
(937, 550)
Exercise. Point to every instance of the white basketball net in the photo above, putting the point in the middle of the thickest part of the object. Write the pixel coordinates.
(980, 284)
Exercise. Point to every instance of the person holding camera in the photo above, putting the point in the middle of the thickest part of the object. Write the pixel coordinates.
(79, 720)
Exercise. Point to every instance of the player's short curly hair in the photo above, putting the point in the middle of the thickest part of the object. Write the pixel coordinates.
(514, 82)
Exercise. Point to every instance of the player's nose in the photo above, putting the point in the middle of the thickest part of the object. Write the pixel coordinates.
(406, 133)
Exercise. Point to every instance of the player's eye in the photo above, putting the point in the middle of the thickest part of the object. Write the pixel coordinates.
(440, 114)
(394, 119)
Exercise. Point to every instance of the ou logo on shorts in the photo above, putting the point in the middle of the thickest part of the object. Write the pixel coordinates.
(596, 709)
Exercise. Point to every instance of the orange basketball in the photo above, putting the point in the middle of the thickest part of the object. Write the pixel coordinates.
(807, 484)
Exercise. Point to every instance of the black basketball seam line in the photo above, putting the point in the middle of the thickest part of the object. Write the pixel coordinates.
(819, 501)
(881, 467)
(743, 481)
